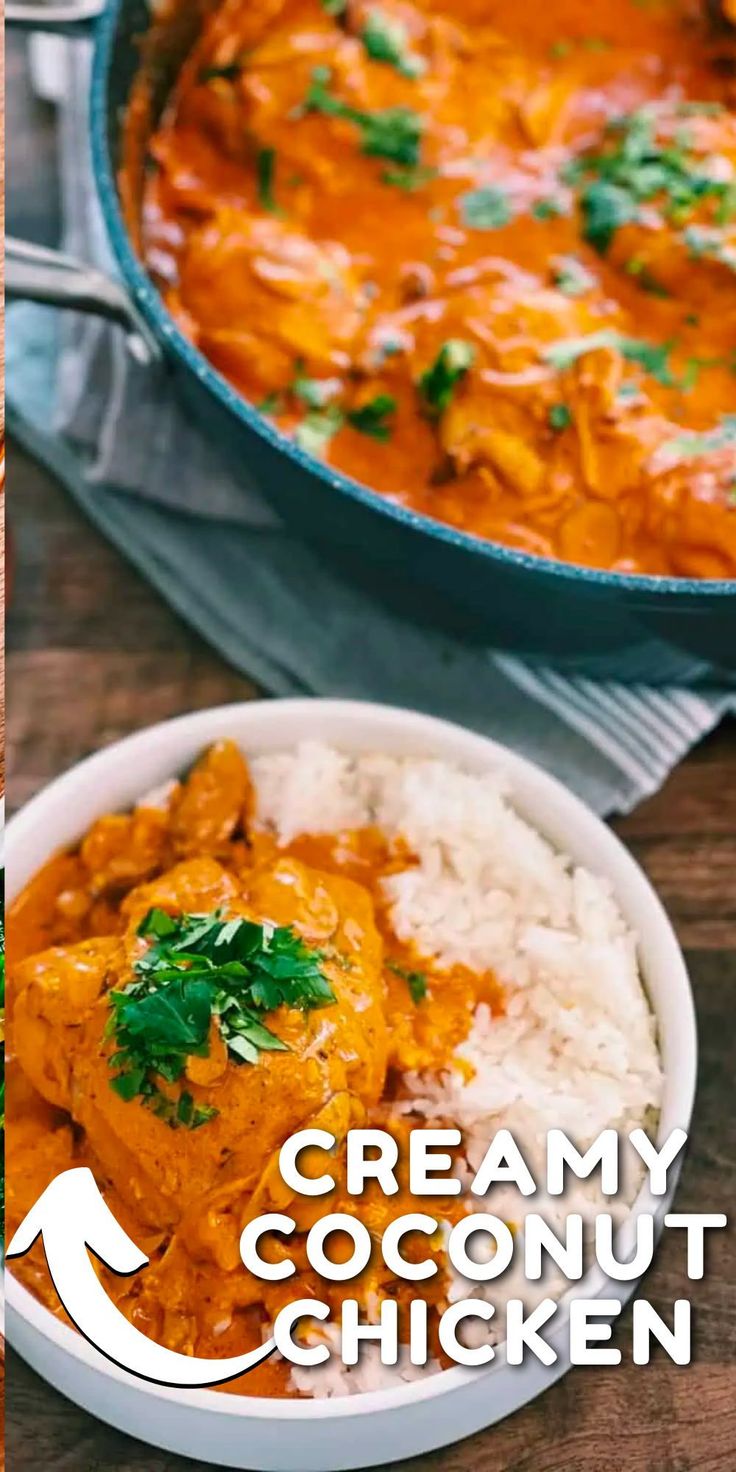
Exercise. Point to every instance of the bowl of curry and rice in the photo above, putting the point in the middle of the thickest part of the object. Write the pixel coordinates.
(437, 934)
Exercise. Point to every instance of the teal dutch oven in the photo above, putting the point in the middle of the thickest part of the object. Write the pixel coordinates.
(579, 619)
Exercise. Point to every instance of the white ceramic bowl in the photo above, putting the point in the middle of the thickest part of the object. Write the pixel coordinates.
(380, 1426)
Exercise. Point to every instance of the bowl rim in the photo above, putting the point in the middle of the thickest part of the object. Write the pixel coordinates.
(430, 731)
(151, 304)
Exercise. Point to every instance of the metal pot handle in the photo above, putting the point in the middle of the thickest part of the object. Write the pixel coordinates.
(36, 273)
(52, 15)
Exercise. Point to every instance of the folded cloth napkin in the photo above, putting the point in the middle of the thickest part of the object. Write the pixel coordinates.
(213, 548)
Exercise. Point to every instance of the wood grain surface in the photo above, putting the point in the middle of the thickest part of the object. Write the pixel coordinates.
(92, 655)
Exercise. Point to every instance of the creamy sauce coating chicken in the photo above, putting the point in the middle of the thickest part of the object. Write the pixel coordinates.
(481, 257)
(76, 936)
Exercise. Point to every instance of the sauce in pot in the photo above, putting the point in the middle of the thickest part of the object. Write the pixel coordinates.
(481, 257)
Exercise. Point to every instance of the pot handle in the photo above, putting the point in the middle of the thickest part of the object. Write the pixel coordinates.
(61, 16)
(36, 273)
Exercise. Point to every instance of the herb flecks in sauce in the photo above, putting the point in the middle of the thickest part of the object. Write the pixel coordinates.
(391, 132)
(572, 276)
(415, 980)
(317, 429)
(371, 418)
(560, 417)
(265, 177)
(464, 208)
(638, 167)
(386, 40)
(437, 385)
(409, 179)
(486, 209)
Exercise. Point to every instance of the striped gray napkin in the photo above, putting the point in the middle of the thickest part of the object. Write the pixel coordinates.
(157, 488)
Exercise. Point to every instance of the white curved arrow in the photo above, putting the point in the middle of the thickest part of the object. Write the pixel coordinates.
(72, 1215)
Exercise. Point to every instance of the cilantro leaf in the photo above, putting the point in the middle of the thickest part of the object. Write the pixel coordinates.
(559, 416)
(392, 132)
(200, 968)
(316, 393)
(415, 980)
(371, 418)
(409, 179)
(386, 40)
(548, 209)
(636, 167)
(265, 175)
(486, 209)
(605, 208)
(437, 385)
(571, 276)
(317, 429)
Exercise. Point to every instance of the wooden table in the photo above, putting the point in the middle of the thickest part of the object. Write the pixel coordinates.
(94, 654)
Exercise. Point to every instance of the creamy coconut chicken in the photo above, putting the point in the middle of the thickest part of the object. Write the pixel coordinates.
(482, 257)
(185, 995)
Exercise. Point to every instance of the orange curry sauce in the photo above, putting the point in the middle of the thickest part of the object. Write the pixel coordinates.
(482, 257)
(184, 1194)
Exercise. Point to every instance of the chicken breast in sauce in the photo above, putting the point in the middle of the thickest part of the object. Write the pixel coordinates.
(339, 1048)
(182, 1130)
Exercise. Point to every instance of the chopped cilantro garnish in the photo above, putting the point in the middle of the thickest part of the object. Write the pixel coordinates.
(334, 7)
(200, 968)
(606, 207)
(265, 174)
(486, 209)
(415, 980)
(438, 383)
(559, 416)
(571, 276)
(696, 364)
(386, 40)
(652, 357)
(560, 49)
(317, 428)
(644, 278)
(548, 209)
(272, 404)
(392, 132)
(316, 393)
(706, 243)
(409, 179)
(371, 418)
(636, 168)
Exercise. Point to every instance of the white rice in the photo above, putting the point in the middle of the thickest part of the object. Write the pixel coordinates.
(575, 1048)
